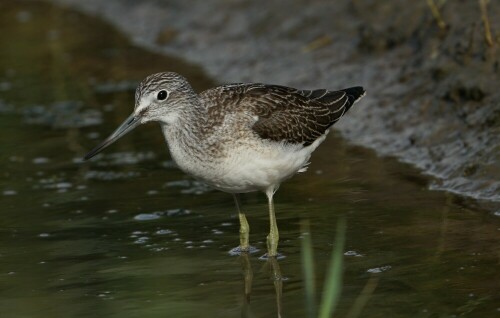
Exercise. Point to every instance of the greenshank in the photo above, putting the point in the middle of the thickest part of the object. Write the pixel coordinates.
(238, 138)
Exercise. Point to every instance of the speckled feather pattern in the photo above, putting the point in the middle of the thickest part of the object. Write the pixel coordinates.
(280, 113)
(244, 137)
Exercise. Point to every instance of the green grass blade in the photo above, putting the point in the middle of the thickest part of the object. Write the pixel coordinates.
(333, 285)
(308, 270)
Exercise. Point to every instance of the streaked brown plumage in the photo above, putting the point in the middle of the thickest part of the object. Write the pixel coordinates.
(284, 113)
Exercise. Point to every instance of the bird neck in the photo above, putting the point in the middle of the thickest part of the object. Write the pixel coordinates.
(185, 140)
(188, 123)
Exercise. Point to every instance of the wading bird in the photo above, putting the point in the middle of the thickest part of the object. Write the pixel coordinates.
(238, 138)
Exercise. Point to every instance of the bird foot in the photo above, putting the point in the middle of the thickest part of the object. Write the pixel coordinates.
(239, 250)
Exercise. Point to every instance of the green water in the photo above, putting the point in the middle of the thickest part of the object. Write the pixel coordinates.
(129, 235)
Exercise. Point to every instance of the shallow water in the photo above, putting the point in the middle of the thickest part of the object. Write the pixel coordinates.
(129, 235)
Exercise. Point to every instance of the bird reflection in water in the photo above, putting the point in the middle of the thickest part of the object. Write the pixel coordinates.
(275, 275)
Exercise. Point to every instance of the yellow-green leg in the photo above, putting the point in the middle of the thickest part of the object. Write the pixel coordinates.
(273, 237)
(244, 227)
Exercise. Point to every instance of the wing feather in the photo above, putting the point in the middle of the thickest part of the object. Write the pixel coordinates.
(283, 113)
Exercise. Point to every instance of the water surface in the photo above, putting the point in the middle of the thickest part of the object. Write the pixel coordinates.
(129, 235)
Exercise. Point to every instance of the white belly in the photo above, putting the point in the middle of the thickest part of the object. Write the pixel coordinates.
(245, 167)
(250, 169)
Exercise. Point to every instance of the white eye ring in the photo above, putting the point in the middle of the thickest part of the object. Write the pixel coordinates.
(162, 95)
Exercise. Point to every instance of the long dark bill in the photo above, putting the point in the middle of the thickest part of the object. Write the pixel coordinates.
(130, 123)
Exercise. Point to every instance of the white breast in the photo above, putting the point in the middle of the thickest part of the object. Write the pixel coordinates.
(244, 166)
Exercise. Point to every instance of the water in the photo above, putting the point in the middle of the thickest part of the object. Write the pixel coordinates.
(129, 235)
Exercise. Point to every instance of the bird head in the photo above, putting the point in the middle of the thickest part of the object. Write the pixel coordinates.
(161, 97)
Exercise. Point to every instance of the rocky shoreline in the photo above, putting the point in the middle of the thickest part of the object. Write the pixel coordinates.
(433, 98)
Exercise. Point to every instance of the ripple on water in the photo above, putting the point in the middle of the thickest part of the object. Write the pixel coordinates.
(93, 135)
(77, 160)
(141, 240)
(137, 233)
(40, 160)
(15, 158)
(125, 158)
(159, 249)
(9, 192)
(190, 186)
(178, 212)
(148, 216)
(164, 232)
(53, 183)
(158, 214)
(378, 270)
(110, 175)
(169, 164)
(353, 253)
(59, 185)
(65, 114)
(237, 251)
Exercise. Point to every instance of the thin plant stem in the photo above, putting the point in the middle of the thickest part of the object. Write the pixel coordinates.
(486, 22)
(333, 286)
(437, 15)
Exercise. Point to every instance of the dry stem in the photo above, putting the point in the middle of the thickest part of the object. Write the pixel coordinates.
(486, 22)
(437, 16)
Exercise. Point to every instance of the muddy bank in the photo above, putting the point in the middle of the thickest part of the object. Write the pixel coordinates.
(433, 97)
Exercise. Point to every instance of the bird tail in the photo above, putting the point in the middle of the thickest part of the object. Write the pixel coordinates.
(354, 94)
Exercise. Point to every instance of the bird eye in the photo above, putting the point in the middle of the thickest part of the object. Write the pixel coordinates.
(162, 95)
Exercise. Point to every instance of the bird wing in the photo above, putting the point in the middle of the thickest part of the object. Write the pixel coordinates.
(283, 113)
